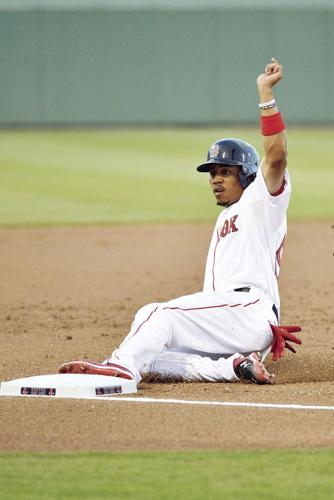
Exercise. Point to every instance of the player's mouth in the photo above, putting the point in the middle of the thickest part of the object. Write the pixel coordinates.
(218, 190)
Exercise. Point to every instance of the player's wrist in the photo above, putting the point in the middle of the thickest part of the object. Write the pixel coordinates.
(268, 108)
(265, 93)
(267, 103)
(272, 124)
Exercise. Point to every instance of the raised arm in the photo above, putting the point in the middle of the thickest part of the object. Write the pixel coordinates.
(272, 126)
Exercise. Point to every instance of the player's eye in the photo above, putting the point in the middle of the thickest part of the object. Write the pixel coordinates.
(224, 172)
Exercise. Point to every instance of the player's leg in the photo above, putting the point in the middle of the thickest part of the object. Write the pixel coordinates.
(177, 365)
(142, 316)
(172, 365)
(221, 323)
(225, 324)
(149, 335)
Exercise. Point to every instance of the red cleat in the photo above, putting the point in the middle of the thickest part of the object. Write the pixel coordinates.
(90, 368)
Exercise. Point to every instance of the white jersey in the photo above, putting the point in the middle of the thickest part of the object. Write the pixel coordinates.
(247, 241)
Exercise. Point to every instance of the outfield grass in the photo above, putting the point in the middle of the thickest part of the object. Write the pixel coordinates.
(124, 176)
(279, 474)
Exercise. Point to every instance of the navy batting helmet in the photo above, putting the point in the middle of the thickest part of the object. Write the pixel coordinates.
(236, 153)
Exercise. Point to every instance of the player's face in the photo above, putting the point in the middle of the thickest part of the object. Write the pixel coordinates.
(225, 184)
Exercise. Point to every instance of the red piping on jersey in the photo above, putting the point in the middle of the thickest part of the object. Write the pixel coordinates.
(189, 309)
(141, 324)
(213, 264)
(209, 307)
(251, 303)
(281, 189)
(139, 327)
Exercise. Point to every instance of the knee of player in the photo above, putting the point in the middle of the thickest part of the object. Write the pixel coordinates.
(146, 311)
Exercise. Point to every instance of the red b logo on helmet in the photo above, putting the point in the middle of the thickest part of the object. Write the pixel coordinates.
(214, 150)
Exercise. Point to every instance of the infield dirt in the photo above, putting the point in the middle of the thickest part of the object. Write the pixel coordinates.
(69, 293)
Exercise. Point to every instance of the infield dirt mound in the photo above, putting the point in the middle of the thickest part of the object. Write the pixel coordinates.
(72, 292)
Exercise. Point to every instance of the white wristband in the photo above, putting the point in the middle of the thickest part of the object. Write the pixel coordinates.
(267, 105)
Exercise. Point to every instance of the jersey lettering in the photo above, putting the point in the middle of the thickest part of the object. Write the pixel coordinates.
(224, 229)
(229, 226)
(233, 227)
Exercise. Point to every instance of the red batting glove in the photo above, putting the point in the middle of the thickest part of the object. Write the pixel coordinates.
(281, 336)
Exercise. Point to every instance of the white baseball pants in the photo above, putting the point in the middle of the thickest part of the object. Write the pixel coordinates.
(197, 337)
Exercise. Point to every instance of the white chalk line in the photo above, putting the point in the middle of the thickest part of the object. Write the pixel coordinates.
(114, 398)
(218, 403)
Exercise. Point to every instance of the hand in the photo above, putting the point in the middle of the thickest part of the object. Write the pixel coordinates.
(281, 336)
(273, 74)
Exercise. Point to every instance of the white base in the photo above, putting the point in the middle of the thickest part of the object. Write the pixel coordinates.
(68, 385)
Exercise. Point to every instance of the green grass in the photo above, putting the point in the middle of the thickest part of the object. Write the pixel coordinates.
(279, 474)
(139, 175)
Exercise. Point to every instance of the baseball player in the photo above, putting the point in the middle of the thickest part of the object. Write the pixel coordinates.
(224, 332)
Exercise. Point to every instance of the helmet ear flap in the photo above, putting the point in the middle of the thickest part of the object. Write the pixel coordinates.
(251, 178)
(245, 181)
